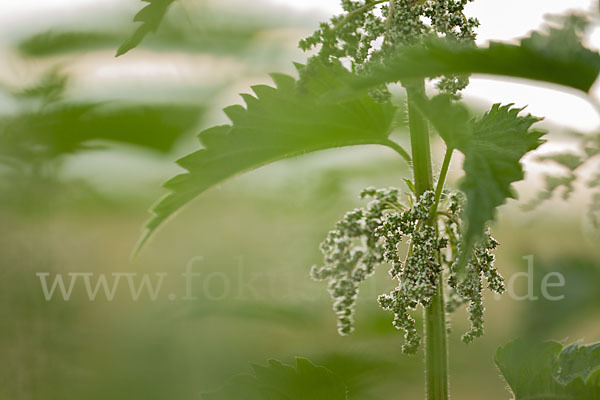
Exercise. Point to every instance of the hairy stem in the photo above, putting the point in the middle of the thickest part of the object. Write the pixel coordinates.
(359, 10)
(419, 141)
(441, 180)
(436, 350)
(436, 353)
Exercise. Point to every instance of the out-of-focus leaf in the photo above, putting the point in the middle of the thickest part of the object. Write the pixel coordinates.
(216, 37)
(556, 56)
(493, 145)
(54, 42)
(150, 17)
(567, 159)
(572, 162)
(546, 370)
(220, 34)
(280, 122)
(65, 128)
(578, 362)
(278, 381)
(554, 182)
(361, 371)
(50, 88)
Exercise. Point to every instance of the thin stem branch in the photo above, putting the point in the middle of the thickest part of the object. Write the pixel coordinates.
(441, 181)
(398, 149)
(451, 217)
(359, 10)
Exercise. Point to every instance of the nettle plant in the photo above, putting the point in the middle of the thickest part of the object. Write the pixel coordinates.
(342, 98)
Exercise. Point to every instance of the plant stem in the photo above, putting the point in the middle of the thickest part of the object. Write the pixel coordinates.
(441, 180)
(436, 350)
(436, 353)
(419, 141)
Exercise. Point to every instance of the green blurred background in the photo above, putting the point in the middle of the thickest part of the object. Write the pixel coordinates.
(86, 140)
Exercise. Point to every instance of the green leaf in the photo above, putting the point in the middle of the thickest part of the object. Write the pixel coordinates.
(229, 36)
(449, 118)
(568, 160)
(528, 367)
(556, 56)
(205, 29)
(578, 362)
(280, 122)
(50, 88)
(546, 370)
(65, 128)
(499, 139)
(52, 42)
(493, 145)
(150, 17)
(278, 381)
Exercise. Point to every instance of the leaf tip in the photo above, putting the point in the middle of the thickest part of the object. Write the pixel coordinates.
(141, 244)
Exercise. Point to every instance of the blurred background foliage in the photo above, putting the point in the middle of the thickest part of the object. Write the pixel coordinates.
(85, 141)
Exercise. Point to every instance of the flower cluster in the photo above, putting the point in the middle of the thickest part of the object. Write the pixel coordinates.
(351, 253)
(481, 265)
(368, 30)
(418, 275)
(367, 237)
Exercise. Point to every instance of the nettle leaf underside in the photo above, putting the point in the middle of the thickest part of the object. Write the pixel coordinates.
(277, 123)
(278, 381)
(557, 56)
(150, 17)
(549, 371)
(493, 145)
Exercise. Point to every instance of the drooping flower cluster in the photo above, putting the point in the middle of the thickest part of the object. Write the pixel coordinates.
(365, 238)
(481, 265)
(368, 30)
(418, 274)
(351, 253)
(469, 290)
